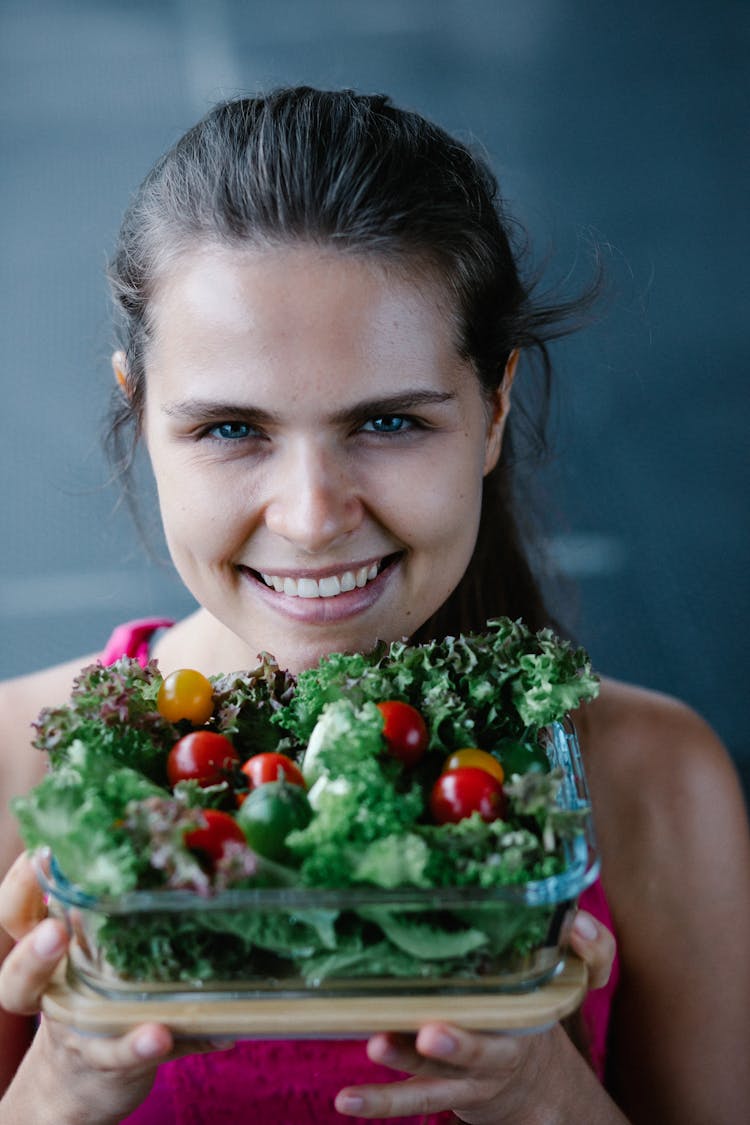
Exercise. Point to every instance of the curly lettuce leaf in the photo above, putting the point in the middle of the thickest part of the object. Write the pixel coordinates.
(472, 690)
(475, 853)
(214, 944)
(112, 710)
(369, 799)
(78, 811)
(244, 703)
(398, 860)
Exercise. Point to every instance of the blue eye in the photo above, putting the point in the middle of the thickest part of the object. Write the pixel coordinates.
(231, 431)
(388, 424)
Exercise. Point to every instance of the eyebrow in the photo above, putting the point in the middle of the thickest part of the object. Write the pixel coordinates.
(404, 401)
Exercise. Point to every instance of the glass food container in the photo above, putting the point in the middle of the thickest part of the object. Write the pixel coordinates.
(440, 942)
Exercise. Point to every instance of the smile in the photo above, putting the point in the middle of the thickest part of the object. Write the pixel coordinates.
(329, 586)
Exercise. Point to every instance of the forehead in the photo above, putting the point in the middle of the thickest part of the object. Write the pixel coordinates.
(301, 303)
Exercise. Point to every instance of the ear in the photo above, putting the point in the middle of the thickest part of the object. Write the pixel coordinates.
(120, 370)
(500, 404)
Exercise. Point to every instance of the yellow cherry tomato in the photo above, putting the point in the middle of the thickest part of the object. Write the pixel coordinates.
(186, 694)
(480, 759)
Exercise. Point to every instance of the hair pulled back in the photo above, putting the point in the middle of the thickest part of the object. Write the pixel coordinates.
(353, 172)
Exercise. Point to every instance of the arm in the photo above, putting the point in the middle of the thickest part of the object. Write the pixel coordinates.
(67, 1078)
(15, 1034)
(64, 1077)
(677, 863)
(21, 767)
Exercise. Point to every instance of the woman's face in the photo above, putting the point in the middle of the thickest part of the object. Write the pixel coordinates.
(318, 445)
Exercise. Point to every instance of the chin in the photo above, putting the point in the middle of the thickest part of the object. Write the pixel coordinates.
(307, 653)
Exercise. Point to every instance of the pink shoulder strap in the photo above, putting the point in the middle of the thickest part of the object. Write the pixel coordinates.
(133, 639)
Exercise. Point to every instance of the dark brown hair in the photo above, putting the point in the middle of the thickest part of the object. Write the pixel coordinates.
(354, 172)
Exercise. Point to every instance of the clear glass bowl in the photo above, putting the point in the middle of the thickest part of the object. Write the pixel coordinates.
(502, 939)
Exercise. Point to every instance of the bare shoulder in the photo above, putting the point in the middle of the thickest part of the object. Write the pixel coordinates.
(23, 697)
(672, 827)
(648, 750)
(669, 811)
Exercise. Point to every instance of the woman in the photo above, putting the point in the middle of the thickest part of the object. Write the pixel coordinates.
(322, 323)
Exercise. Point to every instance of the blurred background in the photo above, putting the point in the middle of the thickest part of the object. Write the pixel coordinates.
(623, 125)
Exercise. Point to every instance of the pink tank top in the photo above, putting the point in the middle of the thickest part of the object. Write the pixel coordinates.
(294, 1082)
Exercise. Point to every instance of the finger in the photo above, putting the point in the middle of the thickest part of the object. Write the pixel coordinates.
(595, 945)
(142, 1047)
(21, 900)
(415, 1096)
(395, 1050)
(440, 1048)
(400, 1053)
(451, 1067)
(479, 1052)
(137, 1050)
(30, 965)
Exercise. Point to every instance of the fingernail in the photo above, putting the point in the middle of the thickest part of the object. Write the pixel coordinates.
(148, 1045)
(585, 927)
(47, 941)
(443, 1044)
(349, 1103)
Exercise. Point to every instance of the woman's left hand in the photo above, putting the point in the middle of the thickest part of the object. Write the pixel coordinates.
(490, 1079)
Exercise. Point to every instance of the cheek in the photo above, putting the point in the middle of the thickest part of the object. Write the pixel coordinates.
(200, 518)
(435, 504)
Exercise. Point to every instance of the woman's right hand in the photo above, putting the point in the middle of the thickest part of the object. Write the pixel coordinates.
(66, 1076)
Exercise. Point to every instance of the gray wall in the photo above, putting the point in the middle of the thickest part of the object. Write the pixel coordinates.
(619, 123)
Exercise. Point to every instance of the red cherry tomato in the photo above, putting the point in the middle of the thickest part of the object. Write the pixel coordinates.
(404, 731)
(186, 694)
(211, 841)
(272, 767)
(466, 790)
(470, 756)
(202, 756)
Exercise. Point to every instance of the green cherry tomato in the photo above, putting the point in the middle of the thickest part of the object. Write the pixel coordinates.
(186, 694)
(270, 813)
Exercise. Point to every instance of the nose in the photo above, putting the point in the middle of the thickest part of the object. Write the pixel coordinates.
(314, 502)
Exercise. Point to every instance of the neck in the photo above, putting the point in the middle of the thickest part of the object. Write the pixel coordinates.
(202, 642)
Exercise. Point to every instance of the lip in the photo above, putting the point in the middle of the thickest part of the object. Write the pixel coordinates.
(323, 611)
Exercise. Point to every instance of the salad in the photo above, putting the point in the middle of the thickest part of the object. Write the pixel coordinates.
(387, 782)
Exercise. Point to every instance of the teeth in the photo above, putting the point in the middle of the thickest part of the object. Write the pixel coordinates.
(327, 587)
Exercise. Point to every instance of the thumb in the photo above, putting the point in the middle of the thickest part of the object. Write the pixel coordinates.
(22, 902)
(595, 945)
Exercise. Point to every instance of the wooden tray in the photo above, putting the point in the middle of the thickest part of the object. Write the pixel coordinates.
(74, 1003)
